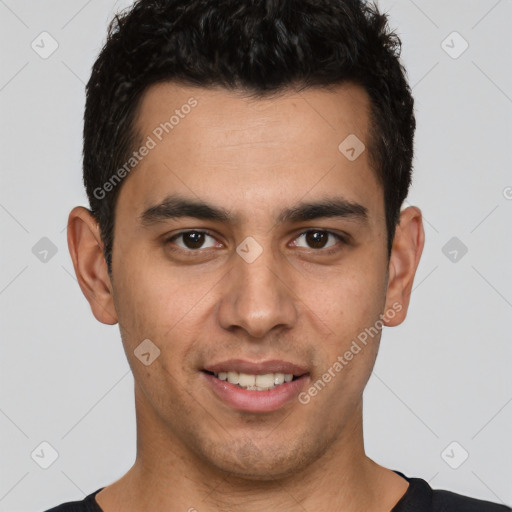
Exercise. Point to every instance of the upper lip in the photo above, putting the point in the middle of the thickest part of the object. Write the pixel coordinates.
(260, 368)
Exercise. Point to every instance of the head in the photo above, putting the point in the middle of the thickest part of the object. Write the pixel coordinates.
(229, 119)
(259, 49)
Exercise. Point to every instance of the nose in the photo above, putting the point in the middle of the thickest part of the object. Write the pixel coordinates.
(258, 296)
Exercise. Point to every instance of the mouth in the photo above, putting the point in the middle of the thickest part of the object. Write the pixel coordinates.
(253, 382)
(256, 387)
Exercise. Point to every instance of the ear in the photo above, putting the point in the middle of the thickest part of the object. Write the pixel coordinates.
(86, 250)
(405, 256)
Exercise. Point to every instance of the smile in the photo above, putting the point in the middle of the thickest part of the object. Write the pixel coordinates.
(250, 382)
(256, 387)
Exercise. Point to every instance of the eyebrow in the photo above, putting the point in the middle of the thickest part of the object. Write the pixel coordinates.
(175, 206)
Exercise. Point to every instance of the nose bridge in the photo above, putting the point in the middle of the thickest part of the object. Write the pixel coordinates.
(258, 297)
(261, 277)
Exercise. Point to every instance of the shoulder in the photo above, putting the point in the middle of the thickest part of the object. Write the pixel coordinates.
(445, 501)
(420, 497)
(88, 504)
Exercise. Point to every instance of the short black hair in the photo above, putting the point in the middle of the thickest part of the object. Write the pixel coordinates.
(260, 47)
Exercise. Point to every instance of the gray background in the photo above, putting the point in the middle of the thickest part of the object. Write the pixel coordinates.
(443, 376)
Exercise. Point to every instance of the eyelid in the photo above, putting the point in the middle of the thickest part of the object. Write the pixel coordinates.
(186, 231)
(343, 238)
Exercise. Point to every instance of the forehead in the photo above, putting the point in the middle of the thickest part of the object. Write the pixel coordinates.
(230, 149)
(235, 117)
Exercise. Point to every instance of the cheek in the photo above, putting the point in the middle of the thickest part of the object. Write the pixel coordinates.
(349, 300)
(152, 296)
(162, 305)
(153, 322)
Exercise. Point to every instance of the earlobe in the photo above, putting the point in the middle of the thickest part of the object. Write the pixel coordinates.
(405, 256)
(86, 250)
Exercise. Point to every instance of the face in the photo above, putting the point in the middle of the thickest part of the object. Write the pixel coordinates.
(247, 242)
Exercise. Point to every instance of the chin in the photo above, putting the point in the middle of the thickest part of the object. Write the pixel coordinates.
(263, 460)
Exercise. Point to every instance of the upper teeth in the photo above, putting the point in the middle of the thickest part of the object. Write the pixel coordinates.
(255, 382)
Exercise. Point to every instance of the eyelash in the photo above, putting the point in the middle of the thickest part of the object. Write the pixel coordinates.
(328, 251)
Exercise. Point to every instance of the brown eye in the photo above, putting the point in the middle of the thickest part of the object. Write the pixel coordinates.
(317, 239)
(193, 240)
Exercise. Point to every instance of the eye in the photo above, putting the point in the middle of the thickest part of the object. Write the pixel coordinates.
(192, 240)
(318, 239)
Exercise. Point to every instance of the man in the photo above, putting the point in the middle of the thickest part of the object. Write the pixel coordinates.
(246, 164)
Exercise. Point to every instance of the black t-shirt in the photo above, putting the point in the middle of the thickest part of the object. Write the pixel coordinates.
(419, 497)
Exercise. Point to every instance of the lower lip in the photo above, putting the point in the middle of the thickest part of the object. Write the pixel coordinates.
(256, 401)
